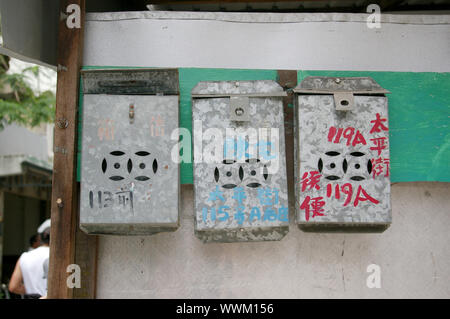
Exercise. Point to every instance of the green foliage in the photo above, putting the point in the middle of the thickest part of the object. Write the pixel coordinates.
(18, 103)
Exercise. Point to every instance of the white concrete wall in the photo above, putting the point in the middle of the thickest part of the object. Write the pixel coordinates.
(417, 43)
(413, 253)
(19, 140)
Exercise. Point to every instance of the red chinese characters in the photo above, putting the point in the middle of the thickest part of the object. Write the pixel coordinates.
(349, 194)
(379, 144)
(380, 166)
(312, 181)
(378, 125)
(313, 205)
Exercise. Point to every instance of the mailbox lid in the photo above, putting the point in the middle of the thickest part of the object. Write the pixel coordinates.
(261, 88)
(129, 183)
(331, 85)
(342, 157)
(212, 102)
(131, 81)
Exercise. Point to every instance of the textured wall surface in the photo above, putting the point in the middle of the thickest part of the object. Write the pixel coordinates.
(413, 255)
(308, 41)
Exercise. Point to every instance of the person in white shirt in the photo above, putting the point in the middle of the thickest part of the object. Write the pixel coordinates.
(30, 274)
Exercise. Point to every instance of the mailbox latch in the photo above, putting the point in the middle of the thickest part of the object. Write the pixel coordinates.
(343, 101)
(131, 113)
(239, 108)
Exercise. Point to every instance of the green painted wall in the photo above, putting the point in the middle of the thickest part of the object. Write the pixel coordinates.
(419, 116)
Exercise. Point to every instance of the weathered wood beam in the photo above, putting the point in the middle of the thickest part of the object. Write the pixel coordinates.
(64, 193)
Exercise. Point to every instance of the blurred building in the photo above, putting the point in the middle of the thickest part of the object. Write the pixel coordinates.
(26, 157)
(25, 190)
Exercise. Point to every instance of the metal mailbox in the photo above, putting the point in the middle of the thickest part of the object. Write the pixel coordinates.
(342, 155)
(129, 184)
(239, 161)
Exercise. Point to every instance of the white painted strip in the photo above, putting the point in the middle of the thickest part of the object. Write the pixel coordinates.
(253, 17)
(416, 43)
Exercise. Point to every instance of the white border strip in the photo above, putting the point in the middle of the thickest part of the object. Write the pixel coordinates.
(263, 41)
(253, 17)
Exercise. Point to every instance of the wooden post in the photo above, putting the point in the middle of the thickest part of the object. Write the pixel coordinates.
(65, 193)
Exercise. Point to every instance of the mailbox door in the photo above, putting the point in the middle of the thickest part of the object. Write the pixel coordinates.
(129, 183)
(237, 197)
(342, 180)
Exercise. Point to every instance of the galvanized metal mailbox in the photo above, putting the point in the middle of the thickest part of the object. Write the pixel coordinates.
(342, 155)
(239, 161)
(129, 183)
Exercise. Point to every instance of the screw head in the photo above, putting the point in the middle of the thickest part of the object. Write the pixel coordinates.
(62, 123)
(239, 111)
(59, 202)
